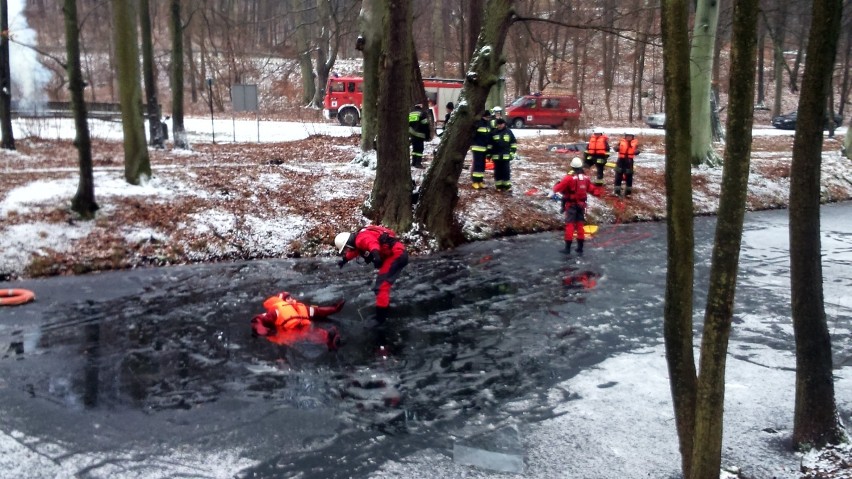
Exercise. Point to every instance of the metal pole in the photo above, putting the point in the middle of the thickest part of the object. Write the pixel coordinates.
(210, 102)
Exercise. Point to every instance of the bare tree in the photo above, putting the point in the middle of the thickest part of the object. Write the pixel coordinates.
(439, 192)
(677, 328)
(390, 201)
(718, 314)
(151, 102)
(137, 164)
(8, 142)
(370, 44)
(176, 78)
(83, 202)
(815, 421)
(701, 69)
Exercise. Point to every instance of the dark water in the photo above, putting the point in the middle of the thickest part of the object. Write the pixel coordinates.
(168, 354)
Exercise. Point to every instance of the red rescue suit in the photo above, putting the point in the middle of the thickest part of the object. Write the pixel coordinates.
(575, 189)
(380, 246)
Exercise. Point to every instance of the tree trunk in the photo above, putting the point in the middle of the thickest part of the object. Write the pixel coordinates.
(439, 192)
(190, 60)
(778, 63)
(151, 103)
(439, 42)
(83, 202)
(304, 48)
(329, 43)
(372, 20)
(761, 41)
(178, 129)
(390, 202)
(700, 72)
(137, 165)
(710, 397)
(677, 328)
(815, 422)
(8, 142)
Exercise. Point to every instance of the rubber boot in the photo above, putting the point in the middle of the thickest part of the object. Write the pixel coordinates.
(567, 249)
(325, 311)
(381, 314)
(580, 247)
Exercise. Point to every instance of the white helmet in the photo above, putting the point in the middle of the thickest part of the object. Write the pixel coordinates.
(576, 163)
(340, 241)
(497, 109)
(598, 130)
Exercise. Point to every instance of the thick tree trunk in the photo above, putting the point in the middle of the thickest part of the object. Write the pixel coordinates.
(148, 73)
(390, 201)
(700, 72)
(815, 422)
(176, 25)
(371, 20)
(778, 64)
(8, 142)
(710, 397)
(137, 164)
(761, 88)
(329, 43)
(677, 328)
(439, 192)
(83, 202)
(439, 42)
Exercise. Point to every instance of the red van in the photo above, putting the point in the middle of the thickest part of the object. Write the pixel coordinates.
(543, 110)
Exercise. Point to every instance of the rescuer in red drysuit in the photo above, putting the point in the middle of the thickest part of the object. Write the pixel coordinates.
(380, 246)
(288, 321)
(574, 189)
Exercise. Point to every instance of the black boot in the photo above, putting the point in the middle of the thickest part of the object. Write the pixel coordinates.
(580, 247)
(381, 314)
(567, 249)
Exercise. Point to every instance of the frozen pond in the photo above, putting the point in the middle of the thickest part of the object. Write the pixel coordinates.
(154, 373)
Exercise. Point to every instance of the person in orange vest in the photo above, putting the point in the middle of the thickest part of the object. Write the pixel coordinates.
(628, 148)
(597, 153)
(380, 246)
(574, 189)
(288, 321)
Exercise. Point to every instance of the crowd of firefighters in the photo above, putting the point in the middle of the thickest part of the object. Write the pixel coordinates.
(287, 320)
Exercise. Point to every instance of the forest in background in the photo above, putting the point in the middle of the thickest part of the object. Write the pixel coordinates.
(609, 53)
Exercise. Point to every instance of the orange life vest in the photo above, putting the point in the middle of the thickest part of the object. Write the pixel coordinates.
(598, 144)
(627, 148)
(290, 314)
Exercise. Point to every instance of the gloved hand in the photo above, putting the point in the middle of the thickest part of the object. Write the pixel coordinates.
(341, 263)
(376, 258)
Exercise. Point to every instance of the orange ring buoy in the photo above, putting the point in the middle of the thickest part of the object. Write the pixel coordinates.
(14, 297)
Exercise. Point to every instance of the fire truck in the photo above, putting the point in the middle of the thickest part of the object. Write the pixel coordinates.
(343, 96)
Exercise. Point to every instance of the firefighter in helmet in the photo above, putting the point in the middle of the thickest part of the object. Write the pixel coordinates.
(288, 321)
(628, 148)
(597, 153)
(479, 148)
(502, 149)
(419, 132)
(574, 189)
(381, 247)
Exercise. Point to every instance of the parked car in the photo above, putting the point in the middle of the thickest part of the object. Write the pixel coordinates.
(657, 120)
(788, 121)
(543, 110)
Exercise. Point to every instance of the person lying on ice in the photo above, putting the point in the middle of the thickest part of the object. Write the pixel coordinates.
(380, 246)
(288, 321)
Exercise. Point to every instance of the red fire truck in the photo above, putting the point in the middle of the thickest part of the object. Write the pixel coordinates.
(343, 96)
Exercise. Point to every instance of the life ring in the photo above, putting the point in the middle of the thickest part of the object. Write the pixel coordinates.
(14, 297)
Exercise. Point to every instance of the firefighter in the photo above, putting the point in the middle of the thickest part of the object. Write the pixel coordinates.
(288, 321)
(419, 132)
(502, 149)
(597, 153)
(628, 148)
(574, 189)
(496, 113)
(481, 139)
(380, 246)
